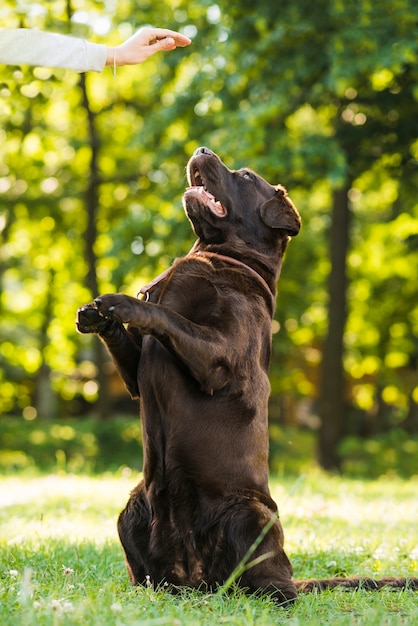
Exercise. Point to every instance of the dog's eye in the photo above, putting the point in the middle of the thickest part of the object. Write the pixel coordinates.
(246, 175)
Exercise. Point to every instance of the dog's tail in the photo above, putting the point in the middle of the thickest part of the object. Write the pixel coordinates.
(356, 582)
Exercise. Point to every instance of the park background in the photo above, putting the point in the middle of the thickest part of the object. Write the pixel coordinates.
(321, 97)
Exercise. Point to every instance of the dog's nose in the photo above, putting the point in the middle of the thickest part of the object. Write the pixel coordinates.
(202, 150)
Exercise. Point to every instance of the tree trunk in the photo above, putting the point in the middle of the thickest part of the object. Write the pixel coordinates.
(331, 402)
(92, 202)
(45, 399)
(410, 423)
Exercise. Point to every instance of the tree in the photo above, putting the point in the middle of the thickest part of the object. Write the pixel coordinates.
(319, 97)
(332, 392)
(74, 171)
(363, 110)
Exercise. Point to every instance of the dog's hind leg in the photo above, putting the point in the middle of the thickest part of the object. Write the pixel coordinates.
(134, 527)
(269, 569)
(257, 563)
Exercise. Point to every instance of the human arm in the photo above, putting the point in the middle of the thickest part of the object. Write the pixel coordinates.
(27, 46)
(143, 44)
(22, 46)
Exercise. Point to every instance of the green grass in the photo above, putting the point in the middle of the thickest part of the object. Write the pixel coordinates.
(61, 562)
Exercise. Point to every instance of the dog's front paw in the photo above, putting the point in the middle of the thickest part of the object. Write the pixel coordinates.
(89, 320)
(116, 306)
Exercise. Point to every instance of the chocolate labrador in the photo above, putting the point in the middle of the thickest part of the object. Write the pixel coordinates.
(195, 350)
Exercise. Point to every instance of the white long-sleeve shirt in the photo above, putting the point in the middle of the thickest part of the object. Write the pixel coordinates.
(26, 46)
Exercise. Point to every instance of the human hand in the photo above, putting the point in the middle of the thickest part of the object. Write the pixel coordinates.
(143, 44)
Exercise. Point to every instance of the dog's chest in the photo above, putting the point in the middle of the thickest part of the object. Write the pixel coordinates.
(194, 297)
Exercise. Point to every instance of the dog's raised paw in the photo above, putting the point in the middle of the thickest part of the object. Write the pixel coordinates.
(89, 320)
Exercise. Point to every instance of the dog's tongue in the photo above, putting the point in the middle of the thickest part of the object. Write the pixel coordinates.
(209, 199)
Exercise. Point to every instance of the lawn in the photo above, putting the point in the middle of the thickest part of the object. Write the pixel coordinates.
(61, 563)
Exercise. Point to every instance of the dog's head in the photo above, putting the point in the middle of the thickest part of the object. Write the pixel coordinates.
(226, 205)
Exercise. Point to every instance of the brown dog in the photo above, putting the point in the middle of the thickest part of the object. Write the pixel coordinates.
(196, 352)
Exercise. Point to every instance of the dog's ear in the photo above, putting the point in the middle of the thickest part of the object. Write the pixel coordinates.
(280, 212)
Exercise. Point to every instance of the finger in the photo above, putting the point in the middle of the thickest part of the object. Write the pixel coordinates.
(182, 41)
(167, 43)
(179, 38)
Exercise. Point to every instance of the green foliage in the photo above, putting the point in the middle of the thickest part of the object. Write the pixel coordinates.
(61, 562)
(86, 445)
(312, 95)
(391, 453)
(70, 445)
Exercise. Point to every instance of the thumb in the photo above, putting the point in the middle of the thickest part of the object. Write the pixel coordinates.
(165, 44)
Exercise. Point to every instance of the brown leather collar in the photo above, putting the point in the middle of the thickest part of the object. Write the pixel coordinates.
(232, 261)
(146, 289)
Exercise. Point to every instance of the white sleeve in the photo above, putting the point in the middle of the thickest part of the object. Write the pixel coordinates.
(23, 46)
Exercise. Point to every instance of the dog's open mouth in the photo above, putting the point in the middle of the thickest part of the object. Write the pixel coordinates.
(198, 185)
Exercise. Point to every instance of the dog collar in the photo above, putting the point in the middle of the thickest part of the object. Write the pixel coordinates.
(146, 289)
(236, 262)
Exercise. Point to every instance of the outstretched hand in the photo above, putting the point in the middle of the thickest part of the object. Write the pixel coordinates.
(146, 42)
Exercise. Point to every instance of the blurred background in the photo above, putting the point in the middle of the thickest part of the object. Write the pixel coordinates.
(321, 97)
